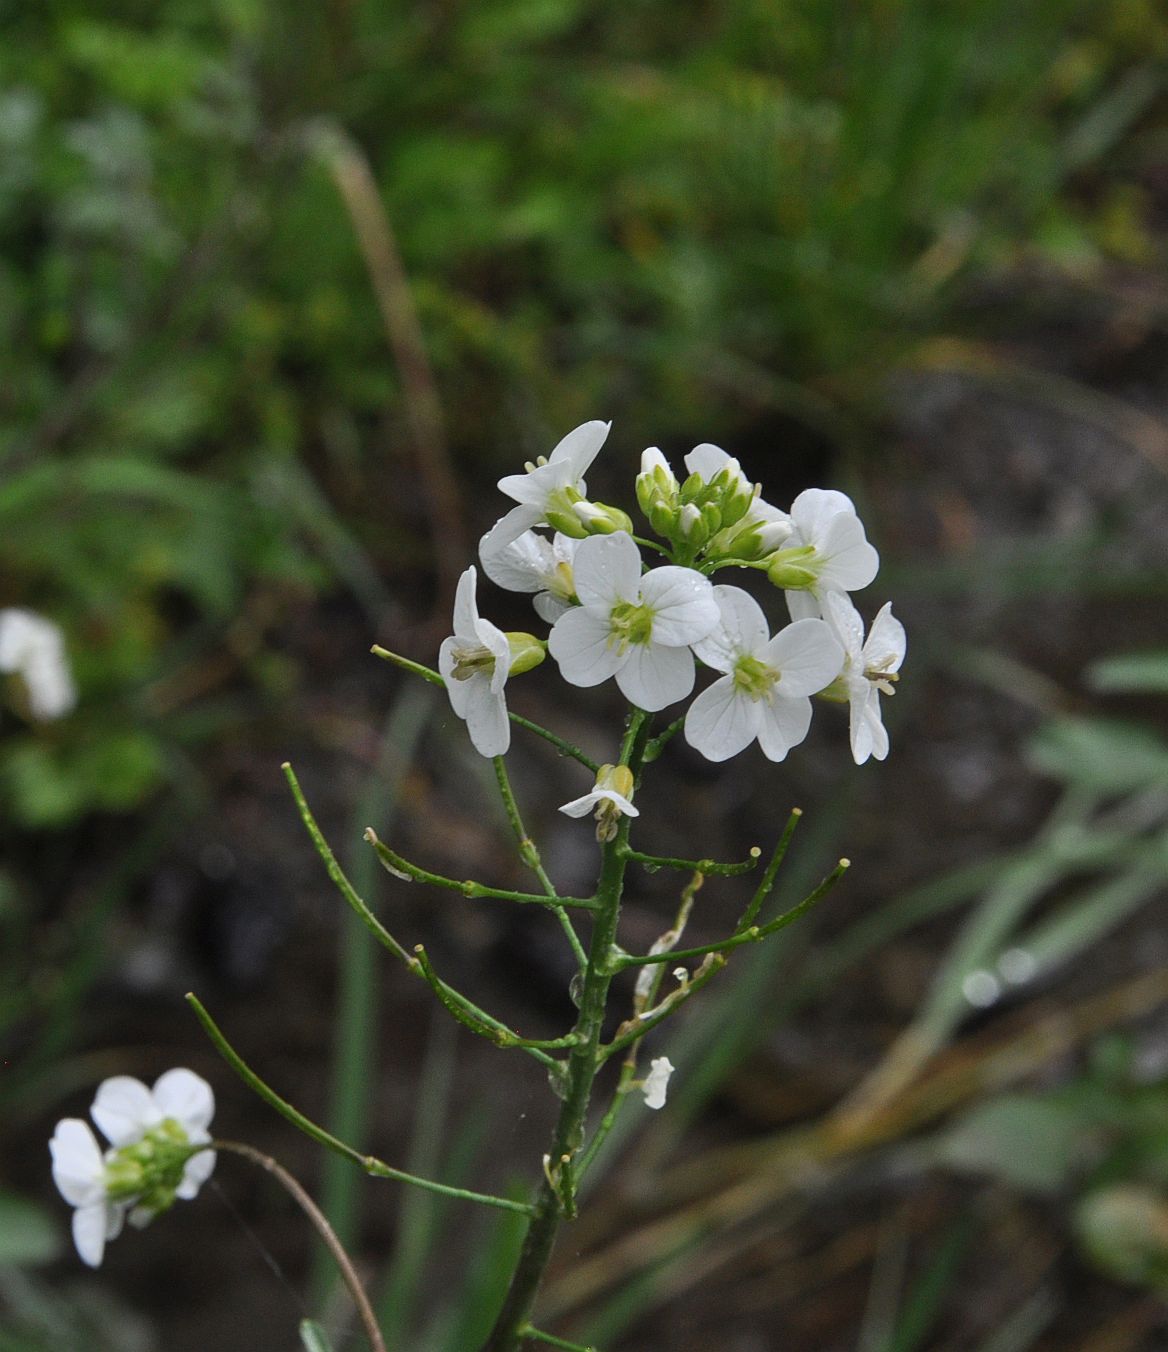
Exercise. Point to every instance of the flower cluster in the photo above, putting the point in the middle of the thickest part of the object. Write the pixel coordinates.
(611, 616)
(155, 1155)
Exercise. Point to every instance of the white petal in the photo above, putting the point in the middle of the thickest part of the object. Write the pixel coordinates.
(652, 459)
(683, 605)
(850, 562)
(742, 629)
(186, 1097)
(581, 807)
(582, 643)
(655, 676)
(846, 623)
(456, 690)
(885, 647)
(809, 656)
(783, 724)
(486, 719)
(466, 611)
(815, 508)
(508, 529)
(708, 461)
(868, 734)
(521, 566)
(607, 569)
(803, 605)
(722, 721)
(78, 1167)
(580, 447)
(495, 642)
(196, 1171)
(657, 1081)
(89, 1232)
(549, 608)
(124, 1109)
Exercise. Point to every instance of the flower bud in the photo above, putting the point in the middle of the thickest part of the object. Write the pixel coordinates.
(526, 652)
(794, 569)
(691, 525)
(599, 519)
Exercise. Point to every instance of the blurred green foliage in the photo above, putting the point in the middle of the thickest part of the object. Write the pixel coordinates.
(733, 215)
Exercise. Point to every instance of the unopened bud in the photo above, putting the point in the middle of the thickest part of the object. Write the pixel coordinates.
(526, 652)
(598, 519)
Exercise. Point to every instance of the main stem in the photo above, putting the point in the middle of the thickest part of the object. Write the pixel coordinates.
(583, 1063)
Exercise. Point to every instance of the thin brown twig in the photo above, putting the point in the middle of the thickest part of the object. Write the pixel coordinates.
(323, 1228)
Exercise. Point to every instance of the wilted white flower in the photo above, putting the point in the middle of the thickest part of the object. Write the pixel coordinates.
(553, 486)
(870, 670)
(34, 648)
(534, 564)
(150, 1161)
(764, 693)
(636, 628)
(611, 797)
(656, 1083)
(827, 551)
(475, 662)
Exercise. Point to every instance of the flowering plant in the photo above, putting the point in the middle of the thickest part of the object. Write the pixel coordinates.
(645, 613)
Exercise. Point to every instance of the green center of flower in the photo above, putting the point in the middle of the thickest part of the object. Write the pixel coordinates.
(149, 1172)
(471, 660)
(755, 678)
(631, 622)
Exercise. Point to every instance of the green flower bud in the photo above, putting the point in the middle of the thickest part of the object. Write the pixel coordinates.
(526, 652)
(598, 519)
(793, 569)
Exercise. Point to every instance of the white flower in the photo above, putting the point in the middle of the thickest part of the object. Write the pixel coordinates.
(656, 1083)
(836, 551)
(635, 628)
(764, 693)
(149, 1162)
(611, 797)
(79, 1173)
(870, 670)
(554, 484)
(34, 648)
(475, 662)
(533, 564)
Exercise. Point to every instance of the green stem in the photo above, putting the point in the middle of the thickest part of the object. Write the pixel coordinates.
(298, 1194)
(710, 867)
(529, 853)
(429, 674)
(479, 1021)
(663, 738)
(755, 934)
(635, 1029)
(369, 1163)
(767, 881)
(527, 1331)
(554, 1198)
(337, 874)
(402, 868)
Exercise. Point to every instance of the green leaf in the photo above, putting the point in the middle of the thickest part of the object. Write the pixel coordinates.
(1130, 672)
(1030, 1143)
(28, 1234)
(1102, 754)
(313, 1337)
